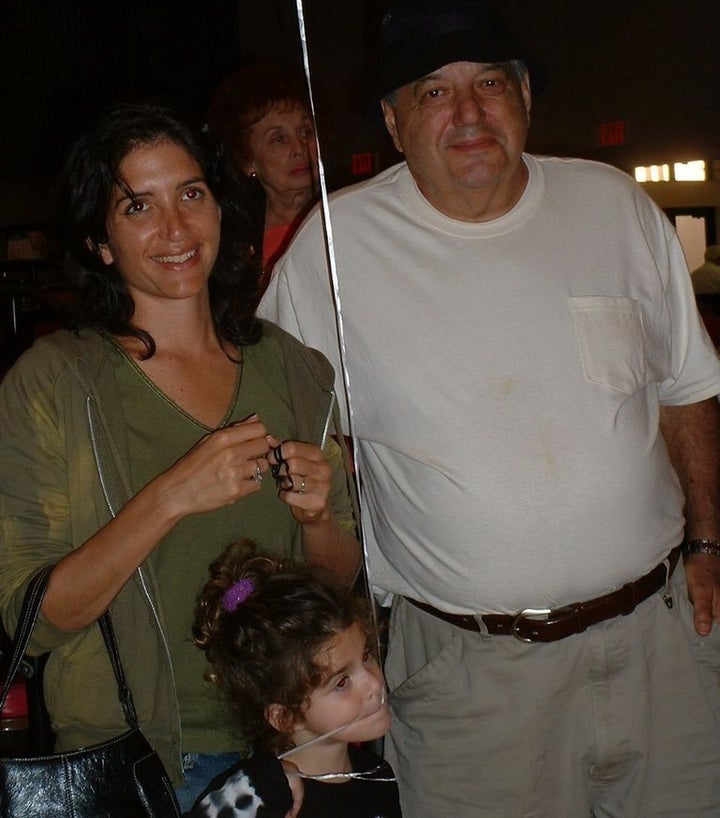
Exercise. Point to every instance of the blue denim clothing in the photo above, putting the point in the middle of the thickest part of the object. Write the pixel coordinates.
(200, 769)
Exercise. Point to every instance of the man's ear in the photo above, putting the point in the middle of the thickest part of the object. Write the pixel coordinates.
(279, 718)
(391, 124)
(526, 93)
(101, 250)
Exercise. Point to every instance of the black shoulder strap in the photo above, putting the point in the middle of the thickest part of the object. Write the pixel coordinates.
(28, 617)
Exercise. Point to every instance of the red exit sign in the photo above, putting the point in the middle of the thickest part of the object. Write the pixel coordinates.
(364, 164)
(612, 133)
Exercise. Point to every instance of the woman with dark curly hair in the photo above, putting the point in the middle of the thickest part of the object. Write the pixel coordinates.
(91, 179)
(135, 448)
(296, 660)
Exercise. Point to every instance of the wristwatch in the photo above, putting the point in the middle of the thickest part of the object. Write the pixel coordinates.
(691, 547)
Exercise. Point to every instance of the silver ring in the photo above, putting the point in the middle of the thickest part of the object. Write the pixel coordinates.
(258, 475)
(301, 490)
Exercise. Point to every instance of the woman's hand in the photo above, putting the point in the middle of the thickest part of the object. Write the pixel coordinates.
(225, 466)
(303, 477)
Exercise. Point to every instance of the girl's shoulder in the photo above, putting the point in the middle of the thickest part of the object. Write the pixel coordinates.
(373, 794)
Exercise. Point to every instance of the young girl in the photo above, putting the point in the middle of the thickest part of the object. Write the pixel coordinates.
(295, 660)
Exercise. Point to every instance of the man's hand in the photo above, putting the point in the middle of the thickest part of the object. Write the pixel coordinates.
(692, 435)
(703, 581)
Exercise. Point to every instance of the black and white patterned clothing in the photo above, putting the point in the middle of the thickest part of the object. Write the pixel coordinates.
(257, 788)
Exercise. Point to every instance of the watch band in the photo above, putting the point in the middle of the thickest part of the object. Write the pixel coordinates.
(700, 546)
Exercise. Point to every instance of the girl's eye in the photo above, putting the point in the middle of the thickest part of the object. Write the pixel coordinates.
(342, 683)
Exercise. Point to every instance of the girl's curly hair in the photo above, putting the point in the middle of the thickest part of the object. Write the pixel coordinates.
(266, 650)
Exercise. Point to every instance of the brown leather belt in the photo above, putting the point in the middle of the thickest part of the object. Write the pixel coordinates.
(537, 625)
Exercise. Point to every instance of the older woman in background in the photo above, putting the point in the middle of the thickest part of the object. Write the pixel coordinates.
(262, 115)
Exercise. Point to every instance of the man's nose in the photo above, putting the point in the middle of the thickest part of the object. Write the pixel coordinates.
(468, 108)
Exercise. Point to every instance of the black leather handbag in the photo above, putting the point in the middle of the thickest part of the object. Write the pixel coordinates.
(120, 778)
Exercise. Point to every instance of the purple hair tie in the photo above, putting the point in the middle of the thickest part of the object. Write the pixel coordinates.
(237, 594)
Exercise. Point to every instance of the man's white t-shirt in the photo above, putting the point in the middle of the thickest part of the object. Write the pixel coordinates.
(505, 381)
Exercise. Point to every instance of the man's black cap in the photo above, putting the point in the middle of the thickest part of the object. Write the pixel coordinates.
(419, 36)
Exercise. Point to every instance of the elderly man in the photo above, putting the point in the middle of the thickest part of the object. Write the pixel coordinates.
(518, 411)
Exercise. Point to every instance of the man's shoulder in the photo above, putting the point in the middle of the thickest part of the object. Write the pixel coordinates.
(561, 168)
(585, 186)
(358, 194)
(368, 187)
(367, 199)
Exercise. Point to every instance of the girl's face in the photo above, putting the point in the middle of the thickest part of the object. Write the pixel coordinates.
(163, 239)
(353, 693)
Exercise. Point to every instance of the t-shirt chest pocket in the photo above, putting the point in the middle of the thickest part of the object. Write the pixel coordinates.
(611, 336)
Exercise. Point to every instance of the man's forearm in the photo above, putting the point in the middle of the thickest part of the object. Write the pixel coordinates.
(692, 435)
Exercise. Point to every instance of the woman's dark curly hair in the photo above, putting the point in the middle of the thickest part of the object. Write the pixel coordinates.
(87, 183)
(266, 650)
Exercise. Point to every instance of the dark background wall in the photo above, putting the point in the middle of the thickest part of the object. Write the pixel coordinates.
(652, 64)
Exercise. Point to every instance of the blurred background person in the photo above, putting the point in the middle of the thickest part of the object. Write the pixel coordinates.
(261, 113)
(706, 285)
(706, 278)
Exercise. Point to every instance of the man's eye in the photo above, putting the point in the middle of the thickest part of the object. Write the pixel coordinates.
(194, 193)
(433, 95)
(493, 86)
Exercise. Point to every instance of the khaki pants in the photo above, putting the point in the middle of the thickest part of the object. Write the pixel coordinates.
(622, 721)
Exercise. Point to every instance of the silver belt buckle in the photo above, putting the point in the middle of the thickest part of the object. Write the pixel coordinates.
(537, 614)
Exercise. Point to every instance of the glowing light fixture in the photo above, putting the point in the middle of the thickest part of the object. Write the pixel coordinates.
(690, 171)
(654, 173)
(682, 172)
